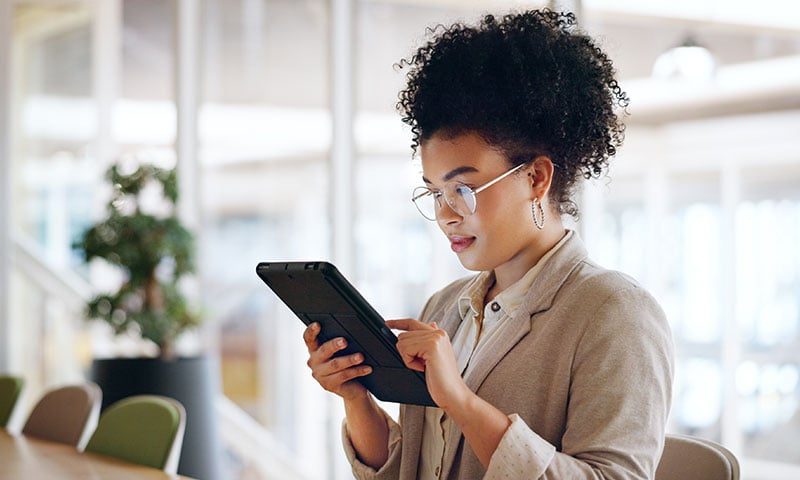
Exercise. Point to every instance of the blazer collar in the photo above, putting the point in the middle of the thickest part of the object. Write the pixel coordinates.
(554, 274)
(542, 292)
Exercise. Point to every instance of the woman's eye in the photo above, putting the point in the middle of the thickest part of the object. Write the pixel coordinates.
(463, 190)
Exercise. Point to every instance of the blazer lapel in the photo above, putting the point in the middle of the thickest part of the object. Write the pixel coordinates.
(493, 352)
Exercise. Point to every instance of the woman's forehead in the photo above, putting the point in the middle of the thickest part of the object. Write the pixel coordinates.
(446, 157)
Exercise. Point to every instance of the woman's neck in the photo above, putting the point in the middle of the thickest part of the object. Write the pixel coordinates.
(510, 272)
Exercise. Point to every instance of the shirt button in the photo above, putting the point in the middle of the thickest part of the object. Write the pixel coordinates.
(495, 307)
(436, 471)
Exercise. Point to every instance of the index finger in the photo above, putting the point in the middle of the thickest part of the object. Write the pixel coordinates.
(310, 336)
(408, 324)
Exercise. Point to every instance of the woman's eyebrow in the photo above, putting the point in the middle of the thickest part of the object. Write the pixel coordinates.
(453, 173)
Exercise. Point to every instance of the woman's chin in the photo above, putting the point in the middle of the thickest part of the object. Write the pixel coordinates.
(471, 261)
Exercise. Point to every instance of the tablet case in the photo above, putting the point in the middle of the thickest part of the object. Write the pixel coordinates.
(318, 292)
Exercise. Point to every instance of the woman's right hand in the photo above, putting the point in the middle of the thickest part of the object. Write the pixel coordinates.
(335, 374)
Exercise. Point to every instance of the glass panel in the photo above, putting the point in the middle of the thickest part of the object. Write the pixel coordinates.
(53, 66)
(69, 114)
(768, 272)
(264, 142)
(698, 396)
(695, 278)
(768, 303)
(147, 70)
(690, 262)
(53, 122)
(614, 223)
(144, 116)
(624, 243)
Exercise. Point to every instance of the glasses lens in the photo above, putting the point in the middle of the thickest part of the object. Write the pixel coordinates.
(425, 202)
(461, 198)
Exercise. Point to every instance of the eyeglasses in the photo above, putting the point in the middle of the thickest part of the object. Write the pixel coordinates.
(459, 197)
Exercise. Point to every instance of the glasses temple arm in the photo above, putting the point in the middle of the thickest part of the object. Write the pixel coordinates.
(487, 185)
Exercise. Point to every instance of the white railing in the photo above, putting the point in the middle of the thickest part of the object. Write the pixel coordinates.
(255, 448)
(46, 313)
(65, 285)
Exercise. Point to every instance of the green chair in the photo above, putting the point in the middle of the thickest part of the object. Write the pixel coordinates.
(10, 388)
(66, 414)
(143, 429)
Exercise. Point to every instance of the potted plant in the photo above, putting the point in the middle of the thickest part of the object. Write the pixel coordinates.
(153, 251)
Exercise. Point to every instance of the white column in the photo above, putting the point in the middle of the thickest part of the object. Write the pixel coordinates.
(656, 206)
(106, 67)
(731, 343)
(186, 69)
(6, 12)
(342, 149)
(342, 172)
(187, 79)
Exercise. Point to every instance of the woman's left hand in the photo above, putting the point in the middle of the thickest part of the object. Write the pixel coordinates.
(427, 348)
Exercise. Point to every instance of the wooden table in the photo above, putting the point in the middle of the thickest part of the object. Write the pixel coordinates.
(24, 457)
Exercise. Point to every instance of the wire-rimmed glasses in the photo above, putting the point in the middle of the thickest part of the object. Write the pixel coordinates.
(460, 198)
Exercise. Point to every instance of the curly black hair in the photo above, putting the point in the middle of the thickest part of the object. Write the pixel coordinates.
(529, 83)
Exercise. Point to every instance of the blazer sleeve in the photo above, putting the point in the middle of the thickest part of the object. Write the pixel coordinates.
(620, 395)
(390, 469)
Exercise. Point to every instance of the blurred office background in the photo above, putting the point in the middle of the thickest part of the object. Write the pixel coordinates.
(279, 115)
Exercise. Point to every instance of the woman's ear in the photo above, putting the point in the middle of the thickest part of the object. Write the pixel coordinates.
(540, 173)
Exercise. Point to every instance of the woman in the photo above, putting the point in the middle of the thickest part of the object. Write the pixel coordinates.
(543, 364)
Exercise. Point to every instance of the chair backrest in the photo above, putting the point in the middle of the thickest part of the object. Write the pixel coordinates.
(143, 429)
(10, 388)
(692, 458)
(66, 414)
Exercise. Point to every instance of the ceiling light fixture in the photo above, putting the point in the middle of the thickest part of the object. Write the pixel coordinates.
(688, 61)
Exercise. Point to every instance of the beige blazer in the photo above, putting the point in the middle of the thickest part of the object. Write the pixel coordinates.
(589, 369)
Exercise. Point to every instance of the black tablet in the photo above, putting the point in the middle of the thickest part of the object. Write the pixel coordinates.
(318, 292)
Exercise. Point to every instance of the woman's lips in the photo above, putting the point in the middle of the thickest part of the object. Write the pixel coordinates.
(458, 244)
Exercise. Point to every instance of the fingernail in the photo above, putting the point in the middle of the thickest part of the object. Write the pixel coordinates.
(340, 342)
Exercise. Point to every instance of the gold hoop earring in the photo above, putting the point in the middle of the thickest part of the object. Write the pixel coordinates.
(536, 207)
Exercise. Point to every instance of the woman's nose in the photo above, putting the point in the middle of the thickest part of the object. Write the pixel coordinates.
(445, 215)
